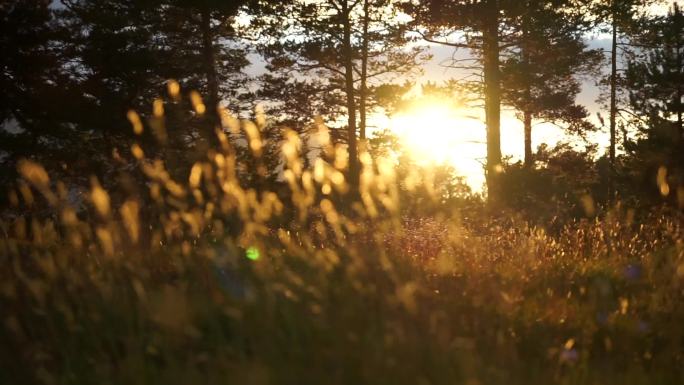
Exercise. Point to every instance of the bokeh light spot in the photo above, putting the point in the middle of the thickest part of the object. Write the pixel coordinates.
(253, 253)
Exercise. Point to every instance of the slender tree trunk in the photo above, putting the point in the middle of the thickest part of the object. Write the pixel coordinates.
(364, 74)
(678, 106)
(492, 88)
(613, 107)
(351, 103)
(680, 128)
(678, 103)
(529, 160)
(527, 113)
(209, 60)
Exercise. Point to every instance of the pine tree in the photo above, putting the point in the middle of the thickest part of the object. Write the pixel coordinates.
(35, 91)
(620, 19)
(655, 81)
(333, 56)
(208, 55)
(477, 26)
(126, 51)
(540, 73)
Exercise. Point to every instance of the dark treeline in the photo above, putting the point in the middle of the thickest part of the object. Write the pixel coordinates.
(82, 79)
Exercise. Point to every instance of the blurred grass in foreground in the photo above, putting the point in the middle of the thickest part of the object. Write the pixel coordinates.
(203, 281)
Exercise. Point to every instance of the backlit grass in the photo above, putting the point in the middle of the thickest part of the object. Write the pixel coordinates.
(202, 280)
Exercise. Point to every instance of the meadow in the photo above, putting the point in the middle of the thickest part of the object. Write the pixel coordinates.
(202, 280)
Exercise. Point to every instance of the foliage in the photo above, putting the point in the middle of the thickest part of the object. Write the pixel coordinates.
(332, 58)
(87, 59)
(173, 242)
(559, 189)
(540, 73)
(654, 81)
(31, 123)
(213, 282)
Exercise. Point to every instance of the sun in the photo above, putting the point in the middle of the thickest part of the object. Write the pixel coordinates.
(438, 132)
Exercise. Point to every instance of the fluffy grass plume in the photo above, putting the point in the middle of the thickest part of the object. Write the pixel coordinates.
(201, 280)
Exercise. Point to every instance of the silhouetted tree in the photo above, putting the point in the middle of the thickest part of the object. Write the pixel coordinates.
(36, 93)
(540, 73)
(77, 67)
(477, 26)
(655, 81)
(334, 54)
(620, 19)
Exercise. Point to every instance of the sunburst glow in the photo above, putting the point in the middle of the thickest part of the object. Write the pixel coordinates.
(434, 131)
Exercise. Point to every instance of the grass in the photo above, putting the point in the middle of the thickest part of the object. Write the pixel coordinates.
(206, 281)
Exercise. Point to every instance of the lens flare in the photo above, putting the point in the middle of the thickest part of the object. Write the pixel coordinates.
(252, 253)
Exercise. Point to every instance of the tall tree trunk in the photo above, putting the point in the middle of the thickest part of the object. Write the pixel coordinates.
(209, 60)
(613, 106)
(527, 118)
(492, 88)
(351, 103)
(364, 73)
(680, 94)
(207, 131)
(527, 113)
(678, 106)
